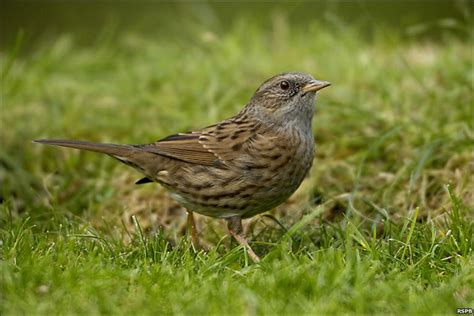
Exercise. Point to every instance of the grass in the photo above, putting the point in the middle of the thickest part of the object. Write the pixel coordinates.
(383, 224)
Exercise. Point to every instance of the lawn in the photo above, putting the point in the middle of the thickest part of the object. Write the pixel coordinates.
(383, 224)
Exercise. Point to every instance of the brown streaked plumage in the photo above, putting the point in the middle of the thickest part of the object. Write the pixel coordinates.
(239, 167)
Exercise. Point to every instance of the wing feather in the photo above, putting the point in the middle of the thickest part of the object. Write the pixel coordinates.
(216, 145)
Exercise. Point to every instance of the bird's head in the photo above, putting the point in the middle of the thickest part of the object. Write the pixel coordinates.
(283, 90)
(287, 96)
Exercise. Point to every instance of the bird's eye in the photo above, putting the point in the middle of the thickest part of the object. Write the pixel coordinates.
(284, 85)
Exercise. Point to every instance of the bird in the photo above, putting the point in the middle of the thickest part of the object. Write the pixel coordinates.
(237, 168)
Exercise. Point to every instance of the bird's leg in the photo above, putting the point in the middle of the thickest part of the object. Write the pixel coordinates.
(191, 223)
(234, 224)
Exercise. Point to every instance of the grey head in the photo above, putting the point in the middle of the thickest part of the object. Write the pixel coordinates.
(286, 98)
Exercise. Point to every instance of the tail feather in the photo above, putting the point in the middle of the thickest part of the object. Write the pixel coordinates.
(109, 149)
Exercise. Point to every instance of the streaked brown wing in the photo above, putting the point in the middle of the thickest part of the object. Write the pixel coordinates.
(185, 147)
(217, 145)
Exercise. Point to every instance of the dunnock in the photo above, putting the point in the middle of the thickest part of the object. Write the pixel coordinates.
(239, 167)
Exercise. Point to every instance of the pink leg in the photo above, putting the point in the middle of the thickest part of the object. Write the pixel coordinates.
(234, 224)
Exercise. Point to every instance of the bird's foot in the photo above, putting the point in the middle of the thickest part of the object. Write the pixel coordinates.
(234, 224)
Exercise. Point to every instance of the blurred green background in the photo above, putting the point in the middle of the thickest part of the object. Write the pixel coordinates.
(133, 72)
(41, 20)
(384, 220)
(398, 112)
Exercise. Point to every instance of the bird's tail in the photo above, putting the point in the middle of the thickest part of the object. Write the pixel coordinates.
(109, 149)
(132, 155)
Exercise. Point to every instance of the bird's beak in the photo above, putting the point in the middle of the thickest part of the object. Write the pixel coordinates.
(315, 85)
